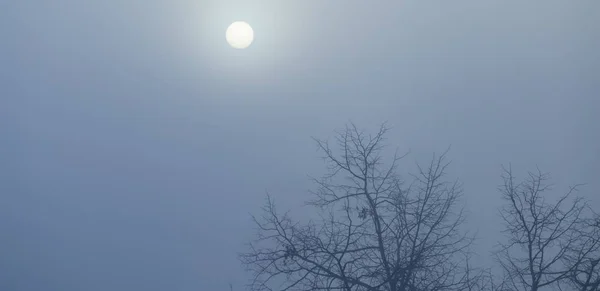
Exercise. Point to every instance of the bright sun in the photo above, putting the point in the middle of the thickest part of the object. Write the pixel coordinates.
(239, 35)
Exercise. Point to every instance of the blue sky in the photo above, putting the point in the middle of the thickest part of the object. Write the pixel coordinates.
(135, 142)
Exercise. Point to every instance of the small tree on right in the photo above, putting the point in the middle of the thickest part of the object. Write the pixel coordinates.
(541, 236)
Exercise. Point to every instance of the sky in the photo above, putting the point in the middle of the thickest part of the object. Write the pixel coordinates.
(135, 143)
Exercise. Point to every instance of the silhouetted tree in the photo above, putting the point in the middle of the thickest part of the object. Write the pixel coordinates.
(540, 234)
(373, 232)
(584, 255)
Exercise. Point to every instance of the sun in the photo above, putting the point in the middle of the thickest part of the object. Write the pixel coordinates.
(239, 35)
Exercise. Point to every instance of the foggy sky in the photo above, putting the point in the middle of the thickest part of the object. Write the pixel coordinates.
(135, 143)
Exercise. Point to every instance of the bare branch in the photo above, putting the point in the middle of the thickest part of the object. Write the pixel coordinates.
(539, 233)
(373, 233)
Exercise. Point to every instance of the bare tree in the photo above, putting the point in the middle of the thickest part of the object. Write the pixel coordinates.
(584, 256)
(539, 233)
(373, 232)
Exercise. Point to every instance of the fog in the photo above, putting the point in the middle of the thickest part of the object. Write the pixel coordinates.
(135, 143)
